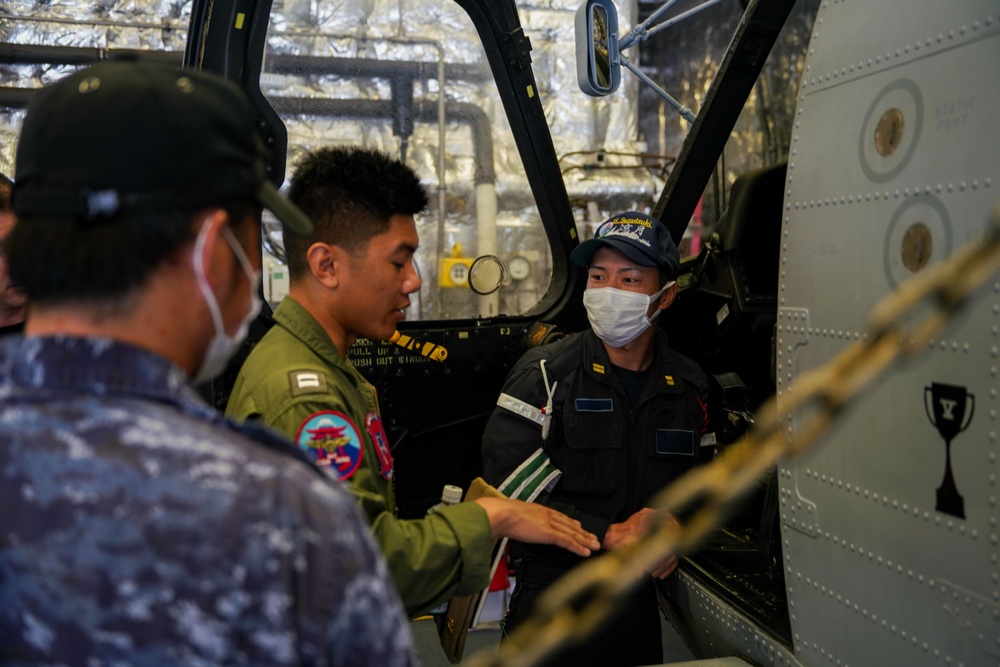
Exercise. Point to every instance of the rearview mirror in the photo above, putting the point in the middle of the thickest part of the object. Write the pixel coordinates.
(598, 69)
(488, 274)
(599, 57)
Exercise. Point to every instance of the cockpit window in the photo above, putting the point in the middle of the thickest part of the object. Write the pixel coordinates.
(411, 79)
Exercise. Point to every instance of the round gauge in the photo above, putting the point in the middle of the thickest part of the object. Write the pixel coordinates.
(520, 267)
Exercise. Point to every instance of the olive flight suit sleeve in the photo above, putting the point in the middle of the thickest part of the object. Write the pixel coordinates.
(431, 559)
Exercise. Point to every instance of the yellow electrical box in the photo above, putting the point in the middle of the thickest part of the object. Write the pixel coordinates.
(454, 271)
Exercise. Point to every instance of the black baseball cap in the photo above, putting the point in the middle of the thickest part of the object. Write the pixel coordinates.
(136, 137)
(643, 239)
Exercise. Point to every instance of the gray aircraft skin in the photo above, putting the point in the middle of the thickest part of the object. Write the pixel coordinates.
(881, 546)
(889, 532)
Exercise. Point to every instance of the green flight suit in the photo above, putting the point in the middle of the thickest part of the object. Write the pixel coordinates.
(296, 382)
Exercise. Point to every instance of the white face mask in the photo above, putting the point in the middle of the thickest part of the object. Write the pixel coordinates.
(617, 316)
(222, 347)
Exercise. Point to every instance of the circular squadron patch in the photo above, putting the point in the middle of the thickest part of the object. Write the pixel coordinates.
(331, 440)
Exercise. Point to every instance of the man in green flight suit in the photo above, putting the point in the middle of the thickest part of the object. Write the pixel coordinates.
(353, 277)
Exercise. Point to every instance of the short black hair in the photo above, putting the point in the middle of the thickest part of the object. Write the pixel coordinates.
(59, 260)
(350, 194)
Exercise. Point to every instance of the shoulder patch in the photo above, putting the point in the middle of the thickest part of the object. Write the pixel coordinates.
(332, 441)
(306, 382)
(373, 422)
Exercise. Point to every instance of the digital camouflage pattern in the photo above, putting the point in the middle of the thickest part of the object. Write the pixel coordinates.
(140, 527)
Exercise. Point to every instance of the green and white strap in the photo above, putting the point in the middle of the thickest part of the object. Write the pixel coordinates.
(528, 480)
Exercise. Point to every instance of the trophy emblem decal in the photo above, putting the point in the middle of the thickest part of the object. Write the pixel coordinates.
(950, 410)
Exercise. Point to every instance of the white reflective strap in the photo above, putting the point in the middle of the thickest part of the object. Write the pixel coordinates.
(519, 407)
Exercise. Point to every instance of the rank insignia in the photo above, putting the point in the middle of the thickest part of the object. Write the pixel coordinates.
(307, 382)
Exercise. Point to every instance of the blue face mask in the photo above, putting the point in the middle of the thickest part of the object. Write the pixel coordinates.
(222, 347)
(617, 316)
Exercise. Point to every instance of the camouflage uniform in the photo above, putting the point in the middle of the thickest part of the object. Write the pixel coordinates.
(140, 527)
(296, 382)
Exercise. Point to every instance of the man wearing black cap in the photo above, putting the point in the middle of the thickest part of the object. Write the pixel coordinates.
(619, 413)
(139, 526)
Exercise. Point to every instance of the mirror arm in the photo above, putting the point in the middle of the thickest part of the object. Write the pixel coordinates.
(681, 109)
(638, 33)
(643, 31)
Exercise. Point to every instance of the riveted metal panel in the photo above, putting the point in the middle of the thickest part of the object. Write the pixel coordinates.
(893, 165)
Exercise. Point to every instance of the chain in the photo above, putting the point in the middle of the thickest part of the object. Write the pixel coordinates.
(902, 325)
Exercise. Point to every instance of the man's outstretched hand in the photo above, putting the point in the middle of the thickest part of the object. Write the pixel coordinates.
(530, 522)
